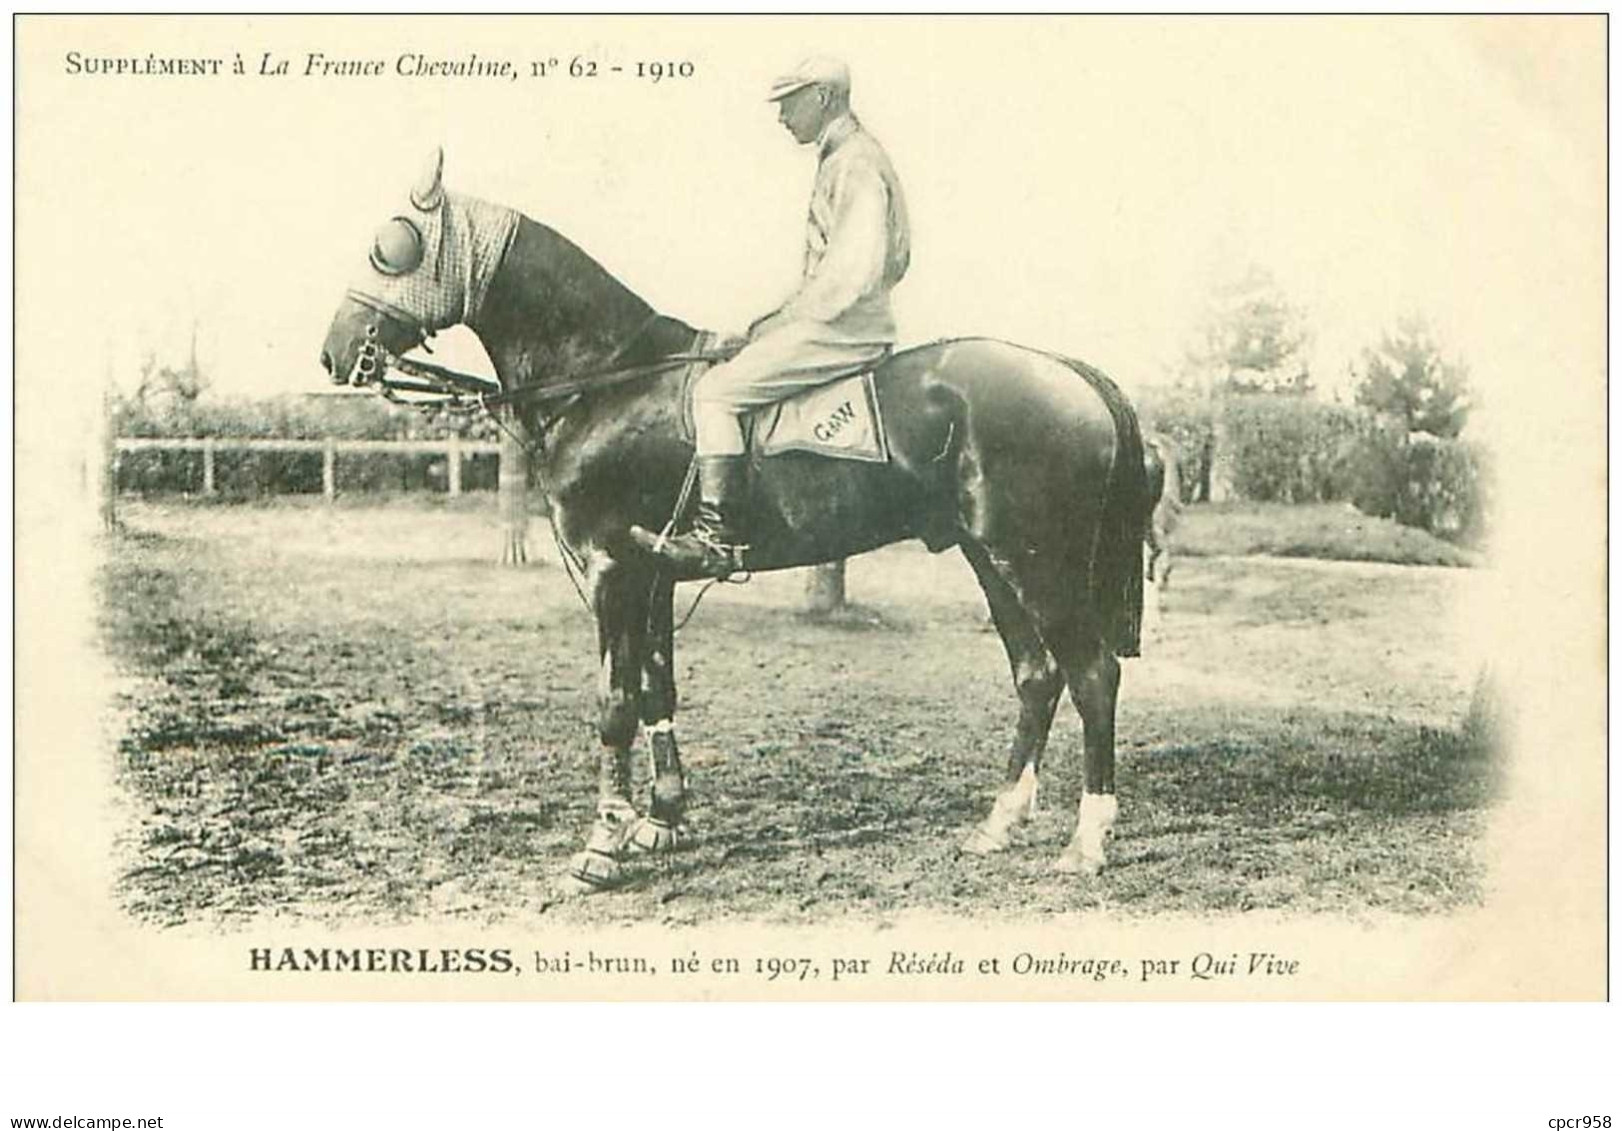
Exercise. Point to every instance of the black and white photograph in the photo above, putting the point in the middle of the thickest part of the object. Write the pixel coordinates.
(810, 508)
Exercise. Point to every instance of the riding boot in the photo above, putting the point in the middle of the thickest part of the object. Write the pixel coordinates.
(713, 547)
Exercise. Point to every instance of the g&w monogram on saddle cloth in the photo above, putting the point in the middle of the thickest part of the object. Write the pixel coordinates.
(840, 420)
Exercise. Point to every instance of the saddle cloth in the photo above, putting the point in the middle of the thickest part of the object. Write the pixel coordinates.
(839, 419)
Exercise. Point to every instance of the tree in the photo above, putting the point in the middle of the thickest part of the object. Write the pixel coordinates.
(1407, 378)
(168, 389)
(104, 454)
(825, 589)
(1412, 465)
(1252, 340)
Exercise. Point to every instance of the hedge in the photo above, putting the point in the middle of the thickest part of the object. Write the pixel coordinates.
(1442, 486)
(1292, 449)
(1286, 449)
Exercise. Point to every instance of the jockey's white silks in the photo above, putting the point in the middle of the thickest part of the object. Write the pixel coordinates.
(840, 321)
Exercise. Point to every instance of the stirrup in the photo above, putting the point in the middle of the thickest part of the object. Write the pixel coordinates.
(716, 558)
(697, 551)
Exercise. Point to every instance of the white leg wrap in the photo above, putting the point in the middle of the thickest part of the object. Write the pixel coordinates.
(661, 726)
(616, 809)
(1095, 816)
(1013, 803)
(1025, 787)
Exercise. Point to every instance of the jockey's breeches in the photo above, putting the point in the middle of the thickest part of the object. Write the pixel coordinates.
(800, 355)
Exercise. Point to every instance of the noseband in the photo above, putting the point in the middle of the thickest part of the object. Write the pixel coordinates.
(372, 363)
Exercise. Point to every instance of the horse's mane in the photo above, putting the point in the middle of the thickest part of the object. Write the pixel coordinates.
(560, 280)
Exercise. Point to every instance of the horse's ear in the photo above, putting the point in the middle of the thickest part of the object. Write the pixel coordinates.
(429, 191)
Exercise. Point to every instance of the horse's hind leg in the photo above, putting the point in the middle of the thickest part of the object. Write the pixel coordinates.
(1069, 627)
(1038, 681)
(662, 830)
(1157, 566)
(1094, 676)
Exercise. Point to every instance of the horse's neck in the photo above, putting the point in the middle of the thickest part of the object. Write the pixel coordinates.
(553, 312)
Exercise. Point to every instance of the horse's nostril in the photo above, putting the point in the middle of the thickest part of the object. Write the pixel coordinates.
(338, 377)
(332, 371)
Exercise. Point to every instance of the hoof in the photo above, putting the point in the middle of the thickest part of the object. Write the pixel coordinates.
(982, 843)
(653, 835)
(1075, 864)
(594, 871)
(569, 887)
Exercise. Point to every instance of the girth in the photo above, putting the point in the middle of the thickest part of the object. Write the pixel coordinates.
(702, 345)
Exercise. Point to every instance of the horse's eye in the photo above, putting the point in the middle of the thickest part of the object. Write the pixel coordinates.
(397, 247)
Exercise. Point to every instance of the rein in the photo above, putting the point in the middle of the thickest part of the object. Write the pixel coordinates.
(440, 386)
(440, 381)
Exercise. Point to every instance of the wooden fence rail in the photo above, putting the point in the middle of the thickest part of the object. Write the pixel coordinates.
(453, 448)
(512, 476)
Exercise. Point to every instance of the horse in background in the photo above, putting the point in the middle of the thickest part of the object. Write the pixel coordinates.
(1164, 474)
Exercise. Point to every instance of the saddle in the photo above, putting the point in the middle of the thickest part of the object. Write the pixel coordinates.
(839, 419)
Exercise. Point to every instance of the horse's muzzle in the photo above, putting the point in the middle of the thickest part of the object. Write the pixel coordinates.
(326, 363)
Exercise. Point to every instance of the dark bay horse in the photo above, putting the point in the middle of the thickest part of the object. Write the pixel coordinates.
(1031, 464)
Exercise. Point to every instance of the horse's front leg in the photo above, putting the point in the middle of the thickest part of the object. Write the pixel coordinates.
(620, 601)
(662, 830)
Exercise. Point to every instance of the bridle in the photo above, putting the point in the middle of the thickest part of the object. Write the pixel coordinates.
(373, 360)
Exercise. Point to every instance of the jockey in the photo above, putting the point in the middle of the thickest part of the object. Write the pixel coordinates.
(838, 322)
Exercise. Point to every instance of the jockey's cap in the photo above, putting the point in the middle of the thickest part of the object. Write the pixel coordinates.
(819, 70)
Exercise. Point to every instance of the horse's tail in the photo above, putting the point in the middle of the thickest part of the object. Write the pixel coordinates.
(1116, 574)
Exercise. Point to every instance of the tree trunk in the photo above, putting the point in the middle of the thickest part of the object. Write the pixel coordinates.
(512, 492)
(1220, 487)
(104, 480)
(825, 589)
(1202, 470)
(1484, 723)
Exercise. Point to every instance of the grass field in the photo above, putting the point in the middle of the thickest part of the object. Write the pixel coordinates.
(1326, 531)
(351, 713)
